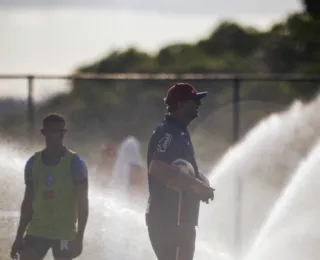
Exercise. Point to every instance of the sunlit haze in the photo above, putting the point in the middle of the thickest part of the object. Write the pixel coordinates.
(58, 39)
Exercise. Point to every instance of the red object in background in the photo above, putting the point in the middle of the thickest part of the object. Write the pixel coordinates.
(107, 159)
(136, 176)
(109, 151)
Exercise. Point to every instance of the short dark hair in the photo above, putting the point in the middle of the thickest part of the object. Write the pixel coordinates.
(53, 118)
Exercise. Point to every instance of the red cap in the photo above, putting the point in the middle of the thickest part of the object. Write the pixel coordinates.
(182, 92)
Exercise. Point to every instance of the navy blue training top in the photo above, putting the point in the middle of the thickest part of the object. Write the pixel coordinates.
(170, 141)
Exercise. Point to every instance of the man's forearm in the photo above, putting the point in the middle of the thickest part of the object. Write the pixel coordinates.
(25, 219)
(171, 175)
(83, 213)
(187, 182)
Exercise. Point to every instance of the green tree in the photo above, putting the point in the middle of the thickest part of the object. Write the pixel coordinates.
(312, 7)
(230, 37)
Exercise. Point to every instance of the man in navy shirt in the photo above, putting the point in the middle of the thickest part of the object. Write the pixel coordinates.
(171, 141)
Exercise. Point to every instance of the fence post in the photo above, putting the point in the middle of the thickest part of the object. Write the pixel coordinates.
(30, 107)
(238, 179)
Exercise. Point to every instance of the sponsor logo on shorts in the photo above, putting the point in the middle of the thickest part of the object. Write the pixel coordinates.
(64, 245)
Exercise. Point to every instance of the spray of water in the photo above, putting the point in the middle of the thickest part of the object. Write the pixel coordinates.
(264, 159)
(116, 226)
(291, 230)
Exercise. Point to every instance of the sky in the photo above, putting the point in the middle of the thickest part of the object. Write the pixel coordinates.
(56, 36)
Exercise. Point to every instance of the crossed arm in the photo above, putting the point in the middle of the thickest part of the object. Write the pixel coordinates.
(171, 175)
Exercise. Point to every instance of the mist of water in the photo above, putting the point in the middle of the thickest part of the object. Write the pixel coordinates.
(292, 228)
(264, 159)
(116, 227)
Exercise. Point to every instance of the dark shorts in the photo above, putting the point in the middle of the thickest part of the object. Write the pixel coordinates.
(60, 248)
(165, 240)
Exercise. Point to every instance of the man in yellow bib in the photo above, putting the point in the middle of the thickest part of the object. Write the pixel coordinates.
(54, 210)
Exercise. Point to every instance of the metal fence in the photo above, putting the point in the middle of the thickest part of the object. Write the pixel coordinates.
(235, 80)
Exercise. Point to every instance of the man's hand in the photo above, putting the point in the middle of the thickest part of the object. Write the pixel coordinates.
(17, 247)
(206, 181)
(77, 245)
(83, 211)
(204, 192)
(25, 218)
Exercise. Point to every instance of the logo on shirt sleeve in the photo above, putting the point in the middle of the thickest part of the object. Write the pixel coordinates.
(164, 143)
